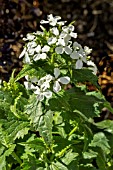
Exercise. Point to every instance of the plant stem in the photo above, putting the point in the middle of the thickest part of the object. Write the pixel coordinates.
(73, 130)
(17, 158)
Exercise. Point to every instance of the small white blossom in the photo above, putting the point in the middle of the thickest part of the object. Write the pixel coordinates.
(44, 84)
(52, 40)
(30, 37)
(61, 50)
(87, 50)
(51, 20)
(55, 31)
(41, 53)
(41, 94)
(92, 66)
(62, 80)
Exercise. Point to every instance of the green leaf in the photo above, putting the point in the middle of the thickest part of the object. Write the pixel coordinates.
(69, 157)
(87, 104)
(31, 164)
(36, 144)
(34, 110)
(107, 125)
(14, 129)
(89, 155)
(45, 127)
(101, 160)
(58, 166)
(100, 140)
(2, 163)
(27, 68)
(83, 75)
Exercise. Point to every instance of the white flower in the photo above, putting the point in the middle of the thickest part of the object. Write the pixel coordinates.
(31, 47)
(87, 50)
(92, 66)
(26, 56)
(55, 31)
(69, 31)
(51, 20)
(41, 53)
(62, 80)
(41, 94)
(30, 37)
(78, 54)
(44, 84)
(61, 50)
(28, 84)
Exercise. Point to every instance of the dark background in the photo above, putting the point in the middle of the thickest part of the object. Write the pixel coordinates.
(93, 23)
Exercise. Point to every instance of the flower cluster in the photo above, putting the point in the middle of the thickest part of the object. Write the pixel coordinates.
(58, 41)
(41, 86)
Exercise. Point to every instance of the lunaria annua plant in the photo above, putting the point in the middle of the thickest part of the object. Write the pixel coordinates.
(47, 123)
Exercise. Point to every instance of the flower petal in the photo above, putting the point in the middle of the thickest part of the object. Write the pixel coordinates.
(74, 55)
(27, 58)
(56, 72)
(59, 50)
(64, 80)
(47, 94)
(40, 96)
(55, 31)
(52, 40)
(74, 35)
(56, 87)
(36, 57)
(79, 64)
(22, 53)
(38, 49)
(46, 48)
(43, 56)
(68, 50)
(44, 22)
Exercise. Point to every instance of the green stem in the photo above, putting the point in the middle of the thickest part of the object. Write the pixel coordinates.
(61, 153)
(17, 158)
(73, 130)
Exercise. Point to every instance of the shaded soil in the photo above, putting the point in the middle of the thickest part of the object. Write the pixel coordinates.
(93, 23)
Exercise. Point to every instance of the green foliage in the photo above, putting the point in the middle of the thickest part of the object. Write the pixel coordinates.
(49, 125)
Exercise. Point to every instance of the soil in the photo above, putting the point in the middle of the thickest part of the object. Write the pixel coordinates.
(93, 23)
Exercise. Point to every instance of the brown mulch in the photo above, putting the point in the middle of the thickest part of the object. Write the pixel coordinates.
(93, 23)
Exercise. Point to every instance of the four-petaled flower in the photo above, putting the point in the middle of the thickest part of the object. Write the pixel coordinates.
(62, 80)
(53, 20)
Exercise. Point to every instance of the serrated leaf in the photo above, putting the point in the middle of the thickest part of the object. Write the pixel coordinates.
(14, 129)
(58, 166)
(100, 140)
(31, 163)
(101, 160)
(89, 155)
(34, 110)
(69, 157)
(86, 104)
(36, 144)
(2, 163)
(107, 125)
(83, 75)
(24, 71)
(45, 127)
